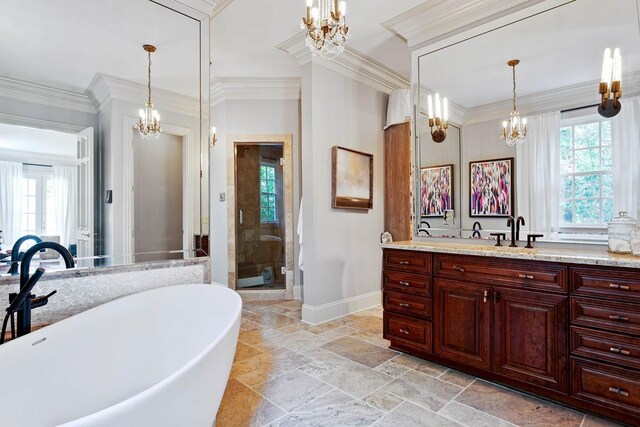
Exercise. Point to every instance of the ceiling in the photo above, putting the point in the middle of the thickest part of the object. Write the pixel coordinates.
(245, 34)
(557, 49)
(66, 42)
(38, 141)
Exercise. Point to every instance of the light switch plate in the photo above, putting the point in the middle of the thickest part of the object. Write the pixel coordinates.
(222, 197)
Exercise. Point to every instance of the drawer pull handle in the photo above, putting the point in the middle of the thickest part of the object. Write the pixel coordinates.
(403, 283)
(618, 390)
(403, 262)
(485, 295)
(618, 350)
(617, 286)
(404, 331)
(403, 304)
(618, 317)
(526, 276)
(458, 268)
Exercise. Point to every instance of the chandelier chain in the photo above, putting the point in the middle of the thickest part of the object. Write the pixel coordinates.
(149, 79)
(514, 87)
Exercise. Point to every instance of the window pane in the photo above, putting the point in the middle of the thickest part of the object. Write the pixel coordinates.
(272, 173)
(587, 211)
(607, 185)
(263, 172)
(264, 199)
(587, 160)
(31, 205)
(607, 210)
(566, 161)
(32, 187)
(565, 138)
(566, 187)
(605, 129)
(263, 186)
(607, 159)
(31, 221)
(271, 187)
(566, 211)
(587, 186)
(587, 135)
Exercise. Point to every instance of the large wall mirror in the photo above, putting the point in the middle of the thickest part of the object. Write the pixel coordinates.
(574, 170)
(74, 167)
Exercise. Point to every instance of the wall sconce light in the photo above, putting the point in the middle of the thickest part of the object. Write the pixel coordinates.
(441, 119)
(214, 138)
(610, 84)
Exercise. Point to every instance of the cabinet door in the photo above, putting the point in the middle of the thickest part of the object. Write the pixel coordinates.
(530, 337)
(462, 322)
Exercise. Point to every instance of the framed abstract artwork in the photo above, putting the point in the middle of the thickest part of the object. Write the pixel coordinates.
(436, 190)
(491, 186)
(351, 179)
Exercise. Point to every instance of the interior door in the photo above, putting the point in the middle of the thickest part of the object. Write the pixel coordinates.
(462, 323)
(84, 232)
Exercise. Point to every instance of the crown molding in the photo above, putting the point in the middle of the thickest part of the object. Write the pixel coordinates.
(219, 6)
(350, 63)
(436, 20)
(45, 95)
(566, 98)
(210, 8)
(236, 88)
(103, 88)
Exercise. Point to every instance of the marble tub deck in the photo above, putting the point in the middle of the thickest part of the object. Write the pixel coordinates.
(341, 373)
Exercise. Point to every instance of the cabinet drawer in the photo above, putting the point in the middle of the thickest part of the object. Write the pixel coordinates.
(416, 284)
(409, 261)
(500, 271)
(609, 315)
(408, 305)
(406, 329)
(605, 346)
(606, 385)
(606, 283)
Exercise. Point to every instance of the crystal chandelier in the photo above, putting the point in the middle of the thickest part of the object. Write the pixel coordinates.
(514, 130)
(149, 123)
(326, 26)
(441, 119)
(610, 85)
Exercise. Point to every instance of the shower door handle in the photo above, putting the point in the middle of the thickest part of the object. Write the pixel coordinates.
(241, 217)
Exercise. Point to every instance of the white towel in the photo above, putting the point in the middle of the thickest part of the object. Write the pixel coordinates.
(300, 259)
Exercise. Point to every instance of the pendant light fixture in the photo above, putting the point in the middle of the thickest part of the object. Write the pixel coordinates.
(611, 84)
(514, 130)
(326, 26)
(149, 123)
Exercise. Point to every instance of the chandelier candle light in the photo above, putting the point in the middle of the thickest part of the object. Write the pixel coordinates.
(610, 84)
(441, 119)
(149, 123)
(326, 26)
(514, 130)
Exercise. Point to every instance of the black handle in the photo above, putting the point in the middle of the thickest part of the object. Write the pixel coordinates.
(25, 292)
(41, 300)
(499, 236)
(530, 238)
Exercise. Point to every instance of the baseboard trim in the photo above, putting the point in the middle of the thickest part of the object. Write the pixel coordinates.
(297, 291)
(315, 315)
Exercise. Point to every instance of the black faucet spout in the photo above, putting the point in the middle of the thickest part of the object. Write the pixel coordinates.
(16, 255)
(511, 222)
(519, 222)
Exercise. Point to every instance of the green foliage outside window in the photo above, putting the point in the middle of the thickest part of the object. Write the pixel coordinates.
(268, 194)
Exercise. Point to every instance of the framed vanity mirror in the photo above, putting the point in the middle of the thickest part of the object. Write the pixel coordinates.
(74, 166)
(574, 169)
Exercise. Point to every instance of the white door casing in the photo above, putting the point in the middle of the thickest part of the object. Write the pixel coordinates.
(85, 204)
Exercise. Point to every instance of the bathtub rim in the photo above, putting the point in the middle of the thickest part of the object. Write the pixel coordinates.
(165, 382)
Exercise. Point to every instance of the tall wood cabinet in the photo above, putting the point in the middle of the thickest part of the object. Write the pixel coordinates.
(570, 333)
(397, 181)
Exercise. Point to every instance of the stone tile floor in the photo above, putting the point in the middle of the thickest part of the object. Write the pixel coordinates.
(342, 373)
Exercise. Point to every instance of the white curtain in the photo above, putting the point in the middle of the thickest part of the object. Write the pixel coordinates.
(10, 200)
(538, 173)
(625, 141)
(65, 194)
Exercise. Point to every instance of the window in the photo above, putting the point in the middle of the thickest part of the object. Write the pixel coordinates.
(586, 179)
(268, 194)
(37, 202)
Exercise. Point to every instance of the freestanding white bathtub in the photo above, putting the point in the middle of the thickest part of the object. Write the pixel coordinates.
(156, 358)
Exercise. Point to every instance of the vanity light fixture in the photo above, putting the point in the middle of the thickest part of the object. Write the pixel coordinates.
(149, 123)
(439, 121)
(326, 26)
(610, 84)
(515, 129)
(214, 137)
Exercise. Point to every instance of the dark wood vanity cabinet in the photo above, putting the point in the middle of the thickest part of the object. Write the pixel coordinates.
(563, 332)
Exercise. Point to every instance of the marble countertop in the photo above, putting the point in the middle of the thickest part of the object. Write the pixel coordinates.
(570, 256)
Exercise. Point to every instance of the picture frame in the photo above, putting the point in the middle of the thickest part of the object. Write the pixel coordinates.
(491, 188)
(436, 190)
(351, 179)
